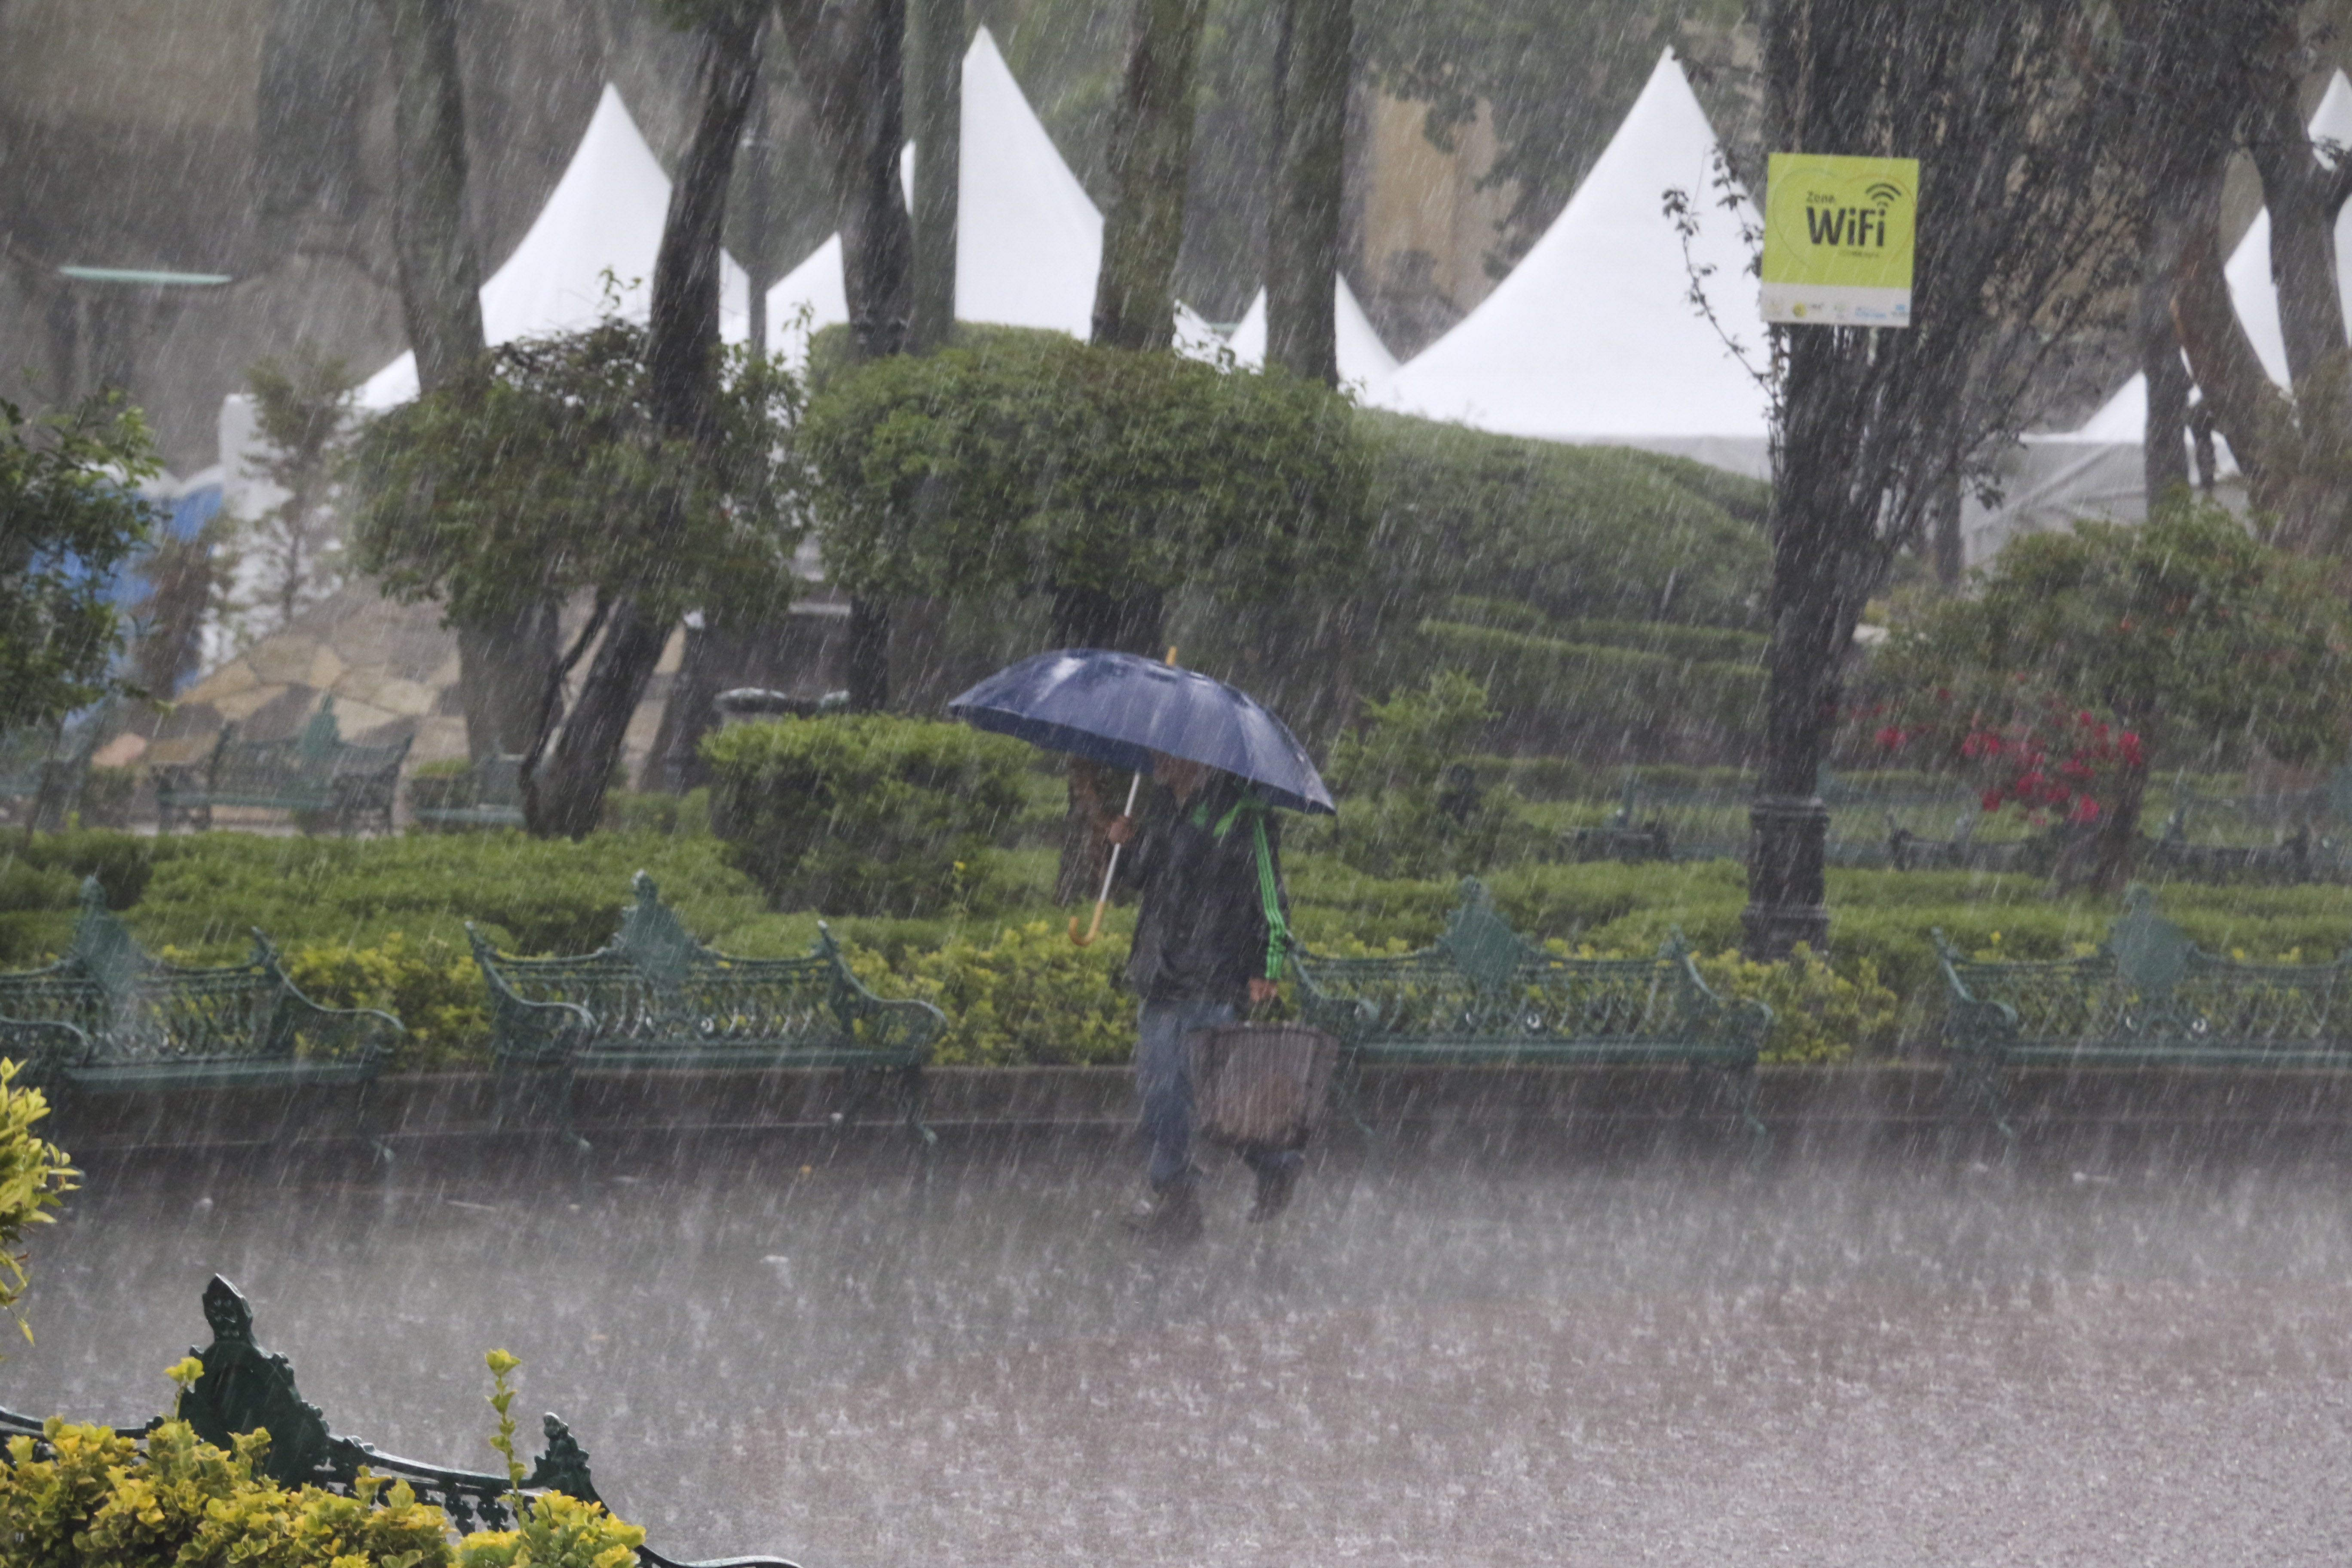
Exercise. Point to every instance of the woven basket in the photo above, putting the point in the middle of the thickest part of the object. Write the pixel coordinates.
(1261, 1086)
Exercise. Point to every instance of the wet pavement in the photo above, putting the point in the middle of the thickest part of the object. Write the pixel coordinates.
(1450, 1352)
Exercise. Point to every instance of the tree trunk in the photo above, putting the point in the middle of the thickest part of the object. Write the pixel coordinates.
(1150, 165)
(510, 656)
(935, 44)
(849, 59)
(1820, 73)
(440, 274)
(502, 662)
(2101, 860)
(1820, 535)
(2303, 198)
(1302, 238)
(567, 794)
(564, 795)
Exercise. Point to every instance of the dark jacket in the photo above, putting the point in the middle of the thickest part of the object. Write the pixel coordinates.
(1211, 872)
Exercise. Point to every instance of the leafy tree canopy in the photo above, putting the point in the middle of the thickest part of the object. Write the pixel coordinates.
(69, 521)
(1028, 461)
(2186, 630)
(543, 474)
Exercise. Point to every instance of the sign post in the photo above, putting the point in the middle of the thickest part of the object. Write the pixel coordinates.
(1838, 240)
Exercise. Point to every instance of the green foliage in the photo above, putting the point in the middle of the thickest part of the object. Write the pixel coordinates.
(35, 1177)
(1577, 697)
(433, 988)
(1818, 1014)
(544, 474)
(866, 814)
(1409, 806)
(2186, 629)
(302, 408)
(83, 1497)
(69, 521)
(1030, 996)
(1026, 461)
(172, 1501)
(1578, 532)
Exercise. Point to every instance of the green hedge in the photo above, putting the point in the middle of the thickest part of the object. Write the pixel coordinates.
(867, 815)
(1579, 533)
(379, 923)
(1560, 697)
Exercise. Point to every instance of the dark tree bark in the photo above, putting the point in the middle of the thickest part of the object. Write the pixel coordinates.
(508, 659)
(934, 45)
(1150, 166)
(502, 663)
(440, 272)
(1303, 237)
(565, 794)
(849, 60)
(2018, 228)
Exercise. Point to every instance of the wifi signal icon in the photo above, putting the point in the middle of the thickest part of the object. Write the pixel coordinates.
(1885, 192)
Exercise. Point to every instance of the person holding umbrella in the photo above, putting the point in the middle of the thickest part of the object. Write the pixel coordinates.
(1210, 944)
(1213, 936)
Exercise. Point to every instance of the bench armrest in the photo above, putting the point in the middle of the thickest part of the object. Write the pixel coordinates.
(899, 1024)
(42, 1047)
(1747, 1022)
(1976, 1028)
(886, 1022)
(364, 1035)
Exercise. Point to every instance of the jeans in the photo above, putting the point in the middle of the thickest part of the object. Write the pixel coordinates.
(1163, 1079)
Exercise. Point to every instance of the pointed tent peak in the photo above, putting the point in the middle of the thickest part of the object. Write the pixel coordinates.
(2332, 120)
(1592, 337)
(1364, 359)
(1029, 239)
(605, 215)
(815, 285)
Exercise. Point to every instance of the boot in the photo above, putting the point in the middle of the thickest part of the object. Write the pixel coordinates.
(1172, 1215)
(1276, 1180)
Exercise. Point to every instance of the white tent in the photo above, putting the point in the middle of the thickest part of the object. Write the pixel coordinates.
(1364, 360)
(2098, 471)
(606, 213)
(1028, 240)
(1592, 337)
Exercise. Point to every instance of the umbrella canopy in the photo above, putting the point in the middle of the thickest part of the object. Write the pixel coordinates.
(1119, 708)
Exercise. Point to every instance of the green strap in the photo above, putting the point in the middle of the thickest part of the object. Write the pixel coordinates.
(1277, 930)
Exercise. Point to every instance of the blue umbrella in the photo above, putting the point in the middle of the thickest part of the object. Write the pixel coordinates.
(1120, 708)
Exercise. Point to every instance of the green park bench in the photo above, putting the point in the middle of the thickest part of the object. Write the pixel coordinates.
(245, 1389)
(1485, 996)
(108, 1019)
(655, 1000)
(2148, 997)
(314, 773)
(1869, 826)
(2299, 836)
(488, 795)
(43, 766)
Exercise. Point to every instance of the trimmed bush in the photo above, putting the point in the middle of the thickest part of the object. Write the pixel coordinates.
(431, 987)
(1591, 532)
(1030, 996)
(1585, 699)
(871, 815)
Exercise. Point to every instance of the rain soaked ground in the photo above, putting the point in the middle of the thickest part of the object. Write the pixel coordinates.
(1456, 1353)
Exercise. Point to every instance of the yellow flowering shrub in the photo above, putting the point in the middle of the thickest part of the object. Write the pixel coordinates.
(1031, 996)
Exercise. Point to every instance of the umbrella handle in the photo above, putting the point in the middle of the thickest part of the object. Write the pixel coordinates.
(1110, 871)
